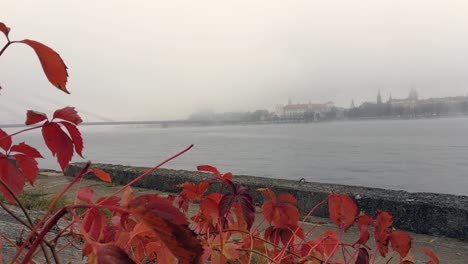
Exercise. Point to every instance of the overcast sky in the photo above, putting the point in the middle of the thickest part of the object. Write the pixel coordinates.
(160, 60)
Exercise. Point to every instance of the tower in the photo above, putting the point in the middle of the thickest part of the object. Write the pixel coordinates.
(413, 95)
(379, 98)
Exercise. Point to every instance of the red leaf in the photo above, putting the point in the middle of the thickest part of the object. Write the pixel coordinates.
(267, 192)
(5, 140)
(170, 225)
(182, 202)
(157, 205)
(28, 167)
(238, 196)
(127, 196)
(59, 143)
(34, 117)
(140, 230)
(401, 242)
(280, 211)
(342, 210)
(162, 253)
(209, 169)
(68, 114)
(283, 234)
(94, 223)
(383, 222)
(280, 214)
(102, 175)
(86, 195)
(244, 200)
(108, 201)
(430, 254)
(193, 191)
(287, 198)
(248, 208)
(209, 210)
(363, 223)
(110, 254)
(363, 256)
(4, 29)
(226, 176)
(75, 136)
(329, 242)
(53, 66)
(87, 250)
(26, 150)
(12, 177)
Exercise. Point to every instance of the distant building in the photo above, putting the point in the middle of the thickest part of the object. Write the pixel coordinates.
(379, 98)
(300, 110)
(410, 101)
(279, 110)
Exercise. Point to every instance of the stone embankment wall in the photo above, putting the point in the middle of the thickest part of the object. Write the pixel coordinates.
(424, 213)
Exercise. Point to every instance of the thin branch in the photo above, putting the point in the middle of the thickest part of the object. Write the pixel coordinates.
(12, 214)
(146, 173)
(25, 212)
(336, 246)
(280, 256)
(5, 47)
(11, 242)
(21, 131)
(47, 227)
(49, 210)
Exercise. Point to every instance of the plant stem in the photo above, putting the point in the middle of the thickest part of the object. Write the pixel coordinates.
(21, 131)
(147, 173)
(67, 244)
(12, 214)
(299, 226)
(8, 240)
(335, 247)
(53, 220)
(51, 207)
(18, 202)
(5, 47)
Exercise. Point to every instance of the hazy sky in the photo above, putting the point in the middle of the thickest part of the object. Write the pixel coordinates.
(164, 59)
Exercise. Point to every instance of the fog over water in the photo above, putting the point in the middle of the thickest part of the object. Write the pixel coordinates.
(417, 155)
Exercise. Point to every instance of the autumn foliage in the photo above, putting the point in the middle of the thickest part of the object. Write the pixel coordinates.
(126, 228)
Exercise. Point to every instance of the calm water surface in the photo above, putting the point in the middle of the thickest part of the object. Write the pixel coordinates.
(413, 155)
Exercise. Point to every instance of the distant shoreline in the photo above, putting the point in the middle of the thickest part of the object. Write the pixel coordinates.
(203, 123)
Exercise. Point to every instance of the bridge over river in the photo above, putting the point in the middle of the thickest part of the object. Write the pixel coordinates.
(166, 123)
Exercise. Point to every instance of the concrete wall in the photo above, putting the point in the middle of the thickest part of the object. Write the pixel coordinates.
(424, 213)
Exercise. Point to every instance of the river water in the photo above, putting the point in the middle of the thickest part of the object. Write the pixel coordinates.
(427, 155)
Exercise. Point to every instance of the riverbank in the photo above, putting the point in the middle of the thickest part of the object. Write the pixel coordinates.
(49, 183)
(423, 213)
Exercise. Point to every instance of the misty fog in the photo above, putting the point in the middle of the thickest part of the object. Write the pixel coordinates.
(158, 60)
